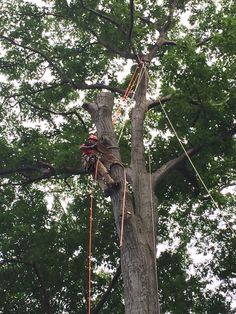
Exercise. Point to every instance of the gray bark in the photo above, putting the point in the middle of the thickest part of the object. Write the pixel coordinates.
(138, 254)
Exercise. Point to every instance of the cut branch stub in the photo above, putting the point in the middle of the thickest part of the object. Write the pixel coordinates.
(101, 114)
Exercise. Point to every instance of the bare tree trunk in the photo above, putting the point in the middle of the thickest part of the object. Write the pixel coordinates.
(138, 250)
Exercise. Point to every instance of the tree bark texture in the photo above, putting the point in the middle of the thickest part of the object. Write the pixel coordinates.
(138, 253)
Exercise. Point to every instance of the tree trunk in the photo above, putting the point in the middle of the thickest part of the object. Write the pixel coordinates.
(138, 253)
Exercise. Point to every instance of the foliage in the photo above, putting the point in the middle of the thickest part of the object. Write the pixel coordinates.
(52, 55)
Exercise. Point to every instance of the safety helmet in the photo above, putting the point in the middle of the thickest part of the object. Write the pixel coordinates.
(92, 137)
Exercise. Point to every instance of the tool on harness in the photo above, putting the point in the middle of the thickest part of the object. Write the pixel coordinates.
(96, 153)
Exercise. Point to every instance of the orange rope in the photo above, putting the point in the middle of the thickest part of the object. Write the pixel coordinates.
(130, 85)
(90, 250)
(90, 240)
(128, 90)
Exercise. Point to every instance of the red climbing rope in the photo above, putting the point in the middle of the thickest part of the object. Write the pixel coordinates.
(128, 90)
(90, 240)
(131, 83)
(90, 250)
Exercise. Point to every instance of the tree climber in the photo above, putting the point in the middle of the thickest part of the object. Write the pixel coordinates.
(98, 160)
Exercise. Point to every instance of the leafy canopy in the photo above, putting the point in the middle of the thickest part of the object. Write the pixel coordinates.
(52, 55)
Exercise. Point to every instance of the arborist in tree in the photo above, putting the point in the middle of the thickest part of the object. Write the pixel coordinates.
(98, 160)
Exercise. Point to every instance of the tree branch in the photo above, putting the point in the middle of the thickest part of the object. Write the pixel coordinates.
(172, 164)
(44, 292)
(131, 5)
(124, 54)
(58, 69)
(163, 32)
(146, 20)
(22, 169)
(44, 169)
(157, 102)
(76, 85)
(106, 295)
(175, 163)
(128, 36)
(63, 75)
(161, 41)
(104, 16)
(99, 86)
(64, 114)
(204, 41)
(34, 92)
(168, 24)
(130, 41)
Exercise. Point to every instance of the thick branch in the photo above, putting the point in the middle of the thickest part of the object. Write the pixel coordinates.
(176, 162)
(9, 171)
(106, 295)
(167, 42)
(130, 41)
(172, 164)
(157, 102)
(38, 172)
(161, 41)
(99, 86)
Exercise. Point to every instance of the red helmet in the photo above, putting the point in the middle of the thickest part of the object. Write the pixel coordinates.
(92, 137)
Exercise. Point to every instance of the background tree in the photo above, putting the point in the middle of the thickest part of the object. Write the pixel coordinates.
(55, 54)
